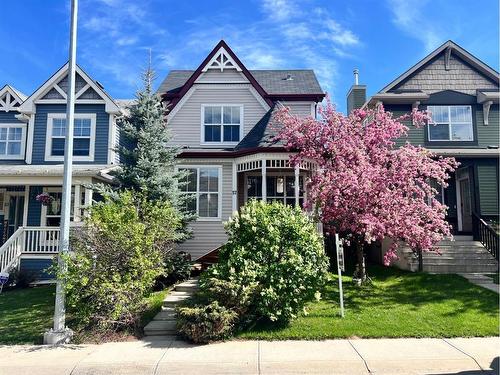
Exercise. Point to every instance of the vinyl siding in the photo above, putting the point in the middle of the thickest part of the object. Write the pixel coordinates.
(356, 97)
(224, 76)
(40, 131)
(434, 77)
(416, 135)
(208, 235)
(34, 207)
(37, 267)
(9, 118)
(302, 109)
(488, 188)
(185, 126)
(487, 135)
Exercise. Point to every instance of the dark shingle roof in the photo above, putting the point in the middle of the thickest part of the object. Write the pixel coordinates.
(263, 133)
(303, 81)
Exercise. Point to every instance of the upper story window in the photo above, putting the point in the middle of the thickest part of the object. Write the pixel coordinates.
(221, 123)
(451, 123)
(12, 141)
(203, 187)
(83, 136)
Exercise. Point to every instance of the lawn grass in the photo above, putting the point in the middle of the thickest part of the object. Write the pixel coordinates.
(25, 314)
(398, 304)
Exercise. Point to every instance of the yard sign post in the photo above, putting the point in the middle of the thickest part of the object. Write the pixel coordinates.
(340, 267)
(60, 333)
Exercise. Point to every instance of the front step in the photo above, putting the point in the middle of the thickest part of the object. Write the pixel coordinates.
(165, 322)
(457, 268)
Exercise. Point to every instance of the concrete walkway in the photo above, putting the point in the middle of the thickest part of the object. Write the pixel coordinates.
(482, 280)
(159, 356)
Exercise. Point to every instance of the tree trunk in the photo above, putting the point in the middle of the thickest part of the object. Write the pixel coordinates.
(360, 276)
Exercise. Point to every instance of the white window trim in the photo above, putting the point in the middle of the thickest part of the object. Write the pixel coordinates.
(48, 136)
(221, 143)
(219, 187)
(23, 141)
(273, 174)
(449, 125)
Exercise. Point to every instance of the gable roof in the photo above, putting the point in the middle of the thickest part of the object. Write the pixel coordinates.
(10, 98)
(274, 82)
(447, 47)
(28, 105)
(269, 84)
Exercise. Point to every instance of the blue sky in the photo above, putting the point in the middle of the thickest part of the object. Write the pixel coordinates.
(382, 38)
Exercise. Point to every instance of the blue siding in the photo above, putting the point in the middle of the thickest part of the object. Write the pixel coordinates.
(40, 131)
(38, 267)
(35, 207)
(9, 118)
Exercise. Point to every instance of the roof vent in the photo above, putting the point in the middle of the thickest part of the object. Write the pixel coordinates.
(100, 85)
(288, 78)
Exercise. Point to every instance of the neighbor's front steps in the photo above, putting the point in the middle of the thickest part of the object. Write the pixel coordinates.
(164, 323)
(462, 255)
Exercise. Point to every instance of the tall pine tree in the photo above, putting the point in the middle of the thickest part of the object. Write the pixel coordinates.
(147, 163)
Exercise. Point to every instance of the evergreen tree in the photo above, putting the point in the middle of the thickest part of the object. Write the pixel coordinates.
(147, 164)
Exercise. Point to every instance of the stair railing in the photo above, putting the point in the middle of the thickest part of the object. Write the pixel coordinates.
(484, 233)
(11, 250)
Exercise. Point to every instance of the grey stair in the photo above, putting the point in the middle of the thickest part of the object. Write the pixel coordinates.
(164, 323)
(456, 268)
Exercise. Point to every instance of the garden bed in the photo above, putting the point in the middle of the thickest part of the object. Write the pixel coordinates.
(398, 304)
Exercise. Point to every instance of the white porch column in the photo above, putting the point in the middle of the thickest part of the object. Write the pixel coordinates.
(296, 185)
(264, 180)
(235, 188)
(76, 204)
(26, 205)
(88, 197)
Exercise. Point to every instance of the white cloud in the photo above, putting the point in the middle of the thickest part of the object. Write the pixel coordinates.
(280, 10)
(410, 17)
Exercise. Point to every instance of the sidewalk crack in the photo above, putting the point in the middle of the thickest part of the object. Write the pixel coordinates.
(360, 356)
(82, 359)
(162, 356)
(467, 354)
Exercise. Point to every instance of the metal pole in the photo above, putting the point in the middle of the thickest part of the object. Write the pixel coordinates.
(340, 253)
(60, 333)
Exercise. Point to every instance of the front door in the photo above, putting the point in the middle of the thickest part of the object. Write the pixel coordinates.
(464, 201)
(15, 209)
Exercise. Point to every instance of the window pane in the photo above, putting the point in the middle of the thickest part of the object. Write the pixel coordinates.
(439, 132)
(231, 115)
(290, 186)
(254, 186)
(15, 134)
(227, 115)
(212, 133)
(2, 148)
(191, 203)
(3, 134)
(203, 208)
(54, 208)
(57, 147)
(212, 115)
(460, 114)
(59, 127)
(82, 127)
(461, 132)
(14, 148)
(188, 183)
(271, 186)
(231, 133)
(439, 113)
(213, 205)
(81, 147)
(209, 179)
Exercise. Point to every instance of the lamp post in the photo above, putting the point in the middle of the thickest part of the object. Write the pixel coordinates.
(60, 333)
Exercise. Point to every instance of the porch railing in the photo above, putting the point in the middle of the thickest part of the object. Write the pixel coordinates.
(32, 240)
(484, 233)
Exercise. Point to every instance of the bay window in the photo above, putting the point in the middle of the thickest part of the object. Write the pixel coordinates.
(451, 123)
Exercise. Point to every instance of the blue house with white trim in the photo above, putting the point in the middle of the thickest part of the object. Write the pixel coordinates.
(32, 131)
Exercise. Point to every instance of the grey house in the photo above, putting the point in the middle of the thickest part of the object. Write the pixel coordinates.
(32, 130)
(462, 94)
(221, 115)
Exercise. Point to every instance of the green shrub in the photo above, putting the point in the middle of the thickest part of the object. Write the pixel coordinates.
(178, 266)
(117, 256)
(275, 249)
(206, 323)
(20, 278)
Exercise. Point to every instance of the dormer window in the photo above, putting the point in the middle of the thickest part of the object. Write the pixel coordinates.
(83, 136)
(221, 124)
(451, 123)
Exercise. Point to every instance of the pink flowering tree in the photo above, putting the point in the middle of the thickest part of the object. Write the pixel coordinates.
(365, 184)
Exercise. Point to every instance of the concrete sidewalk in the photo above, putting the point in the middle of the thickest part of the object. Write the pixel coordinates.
(160, 356)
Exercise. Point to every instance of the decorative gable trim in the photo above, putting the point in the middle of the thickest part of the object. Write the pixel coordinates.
(221, 60)
(10, 99)
(175, 98)
(446, 48)
(54, 91)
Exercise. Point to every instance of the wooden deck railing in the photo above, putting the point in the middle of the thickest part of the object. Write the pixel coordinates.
(484, 233)
(32, 240)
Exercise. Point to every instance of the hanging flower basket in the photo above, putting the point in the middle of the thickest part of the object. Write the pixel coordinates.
(45, 199)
